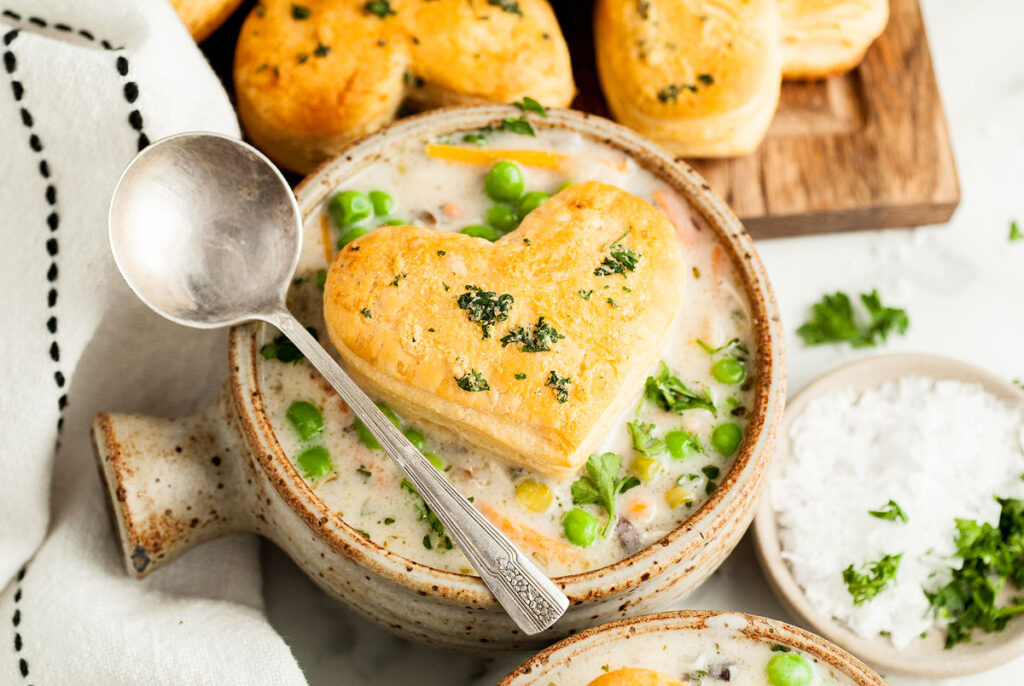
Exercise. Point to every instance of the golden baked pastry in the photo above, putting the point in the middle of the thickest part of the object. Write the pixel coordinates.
(701, 77)
(825, 37)
(633, 676)
(203, 17)
(312, 76)
(533, 365)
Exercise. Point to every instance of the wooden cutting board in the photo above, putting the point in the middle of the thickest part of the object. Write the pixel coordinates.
(869, 149)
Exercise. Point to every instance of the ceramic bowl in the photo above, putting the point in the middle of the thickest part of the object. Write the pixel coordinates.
(176, 483)
(688, 630)
(924, 657)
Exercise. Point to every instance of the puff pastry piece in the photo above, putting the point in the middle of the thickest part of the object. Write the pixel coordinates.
(825, 37)
(383, 330)
(309, 83)
(701, 77)
(203, 17)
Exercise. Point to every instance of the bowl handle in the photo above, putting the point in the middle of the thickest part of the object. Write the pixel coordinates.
(172, 483)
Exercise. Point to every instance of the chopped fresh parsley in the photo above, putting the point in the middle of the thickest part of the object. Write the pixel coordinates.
(891, 512)
(586, 294)
(872, 580)
(302, 58)
(560, 384)
(486, 308)
(379, 8)
(364, 534)
(389, 520)
(710, 471)
(366, 313)
(320, 278)
(398, 277)
(619, 260)
(474, 138)
(779, 648)
(612, 302)
(362, 471)
(441, 253)
(1015, 232)
(528, 104)
(602, 486)
(436, 527)
(714, 351)
(472, 381)
(833, 320)
(643, 8)
(992, 555)
(510, 6)
(670, 93)
(520, 376)
(517, 125)
(283, 350)
(300, 12)
(322, 50)
(644, 441)
(537, 338)
(668, 392)
(706, 79)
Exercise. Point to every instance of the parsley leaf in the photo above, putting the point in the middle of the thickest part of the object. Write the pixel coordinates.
(533, 339)
(669, 393)
(472, 381)
(510, 6)
(714, 351)
(874, 578)
(300, 12)
(619, 261)
(1015, 232)
(528, 104)
(380, 8)
(644, 441)
(560, 384)
(601, 485)
(486, 308)
(891, 512)
(833, 320)
(517, 125)
(283, 350)
(435, 524)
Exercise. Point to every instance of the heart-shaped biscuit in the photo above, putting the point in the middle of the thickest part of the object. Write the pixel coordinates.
(312, 75)
(527, 347)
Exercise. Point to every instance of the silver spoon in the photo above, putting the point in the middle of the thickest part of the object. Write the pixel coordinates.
(207, 232)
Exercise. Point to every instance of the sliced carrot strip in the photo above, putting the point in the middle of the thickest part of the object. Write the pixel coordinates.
(529, 158)
(544, 547)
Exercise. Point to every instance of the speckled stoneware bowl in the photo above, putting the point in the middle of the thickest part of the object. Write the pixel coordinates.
(551, 666)
(176, 483)
(924, 657)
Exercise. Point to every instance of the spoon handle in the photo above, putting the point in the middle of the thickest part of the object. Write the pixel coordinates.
(530, 598)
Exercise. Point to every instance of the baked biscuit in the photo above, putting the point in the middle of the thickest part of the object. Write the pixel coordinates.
(701, 77)
(826, 37)
(314, 75)
(535, 376)
(203, 17)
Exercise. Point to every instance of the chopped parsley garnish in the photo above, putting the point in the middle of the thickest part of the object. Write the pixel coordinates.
(872, 580)
(441, 253)
(320, 278)
(366, 313)
(586, 294)
(389, 520)
(891, 512)
(1015, 232)
(779, 648)
(537, 338)
(612, 302)
(991, 556)
(517, 125)
(643, 8)
(322, 50)
(560, 384)
(619, 260)
(362, 471)
(436, 527)
(710, 487)
(668, 392)
(510, 6)
(398, 277)
(706, 79)
(379, 8)
(602, 486)
(474, 138)
(364, 534)
(283, 350)
(410, 79)
(710, 471)
(486, 308)
(644, 441)
(520, 376)
(670, 93)
(528, 104)
(302, 58)
(300, 12)
(472, 381)
(714, 351)
(833, 320)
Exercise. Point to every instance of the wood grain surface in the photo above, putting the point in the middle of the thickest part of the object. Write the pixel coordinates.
(866, 150)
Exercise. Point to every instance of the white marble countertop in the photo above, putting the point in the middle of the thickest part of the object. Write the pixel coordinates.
(962, 284)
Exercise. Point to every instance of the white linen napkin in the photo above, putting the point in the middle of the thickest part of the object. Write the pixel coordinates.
(84, 84)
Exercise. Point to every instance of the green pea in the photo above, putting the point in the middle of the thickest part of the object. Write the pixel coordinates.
(314, 463)
(417, 438)
(435, 460)
(729, 370)
(580, 527)
(481, 231)
(726, 438)
(502, 217)
(504, 182)
(531, 201)
(306, 419)
(350, 235)
(383, 204)
(396, 222)
(349, 207)
(788, 669)
(562, 186)
(364, 434)
(681, 444)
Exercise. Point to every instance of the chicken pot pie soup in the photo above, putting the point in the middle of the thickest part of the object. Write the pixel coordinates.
(551, 324)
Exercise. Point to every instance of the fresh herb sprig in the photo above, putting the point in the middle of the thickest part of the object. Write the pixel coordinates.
(873, 579)
(669, 393)
(890, 512)
(644, 441)
(601, 485)
(833, 321)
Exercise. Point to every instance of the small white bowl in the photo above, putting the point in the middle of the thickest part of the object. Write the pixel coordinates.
(924, 657)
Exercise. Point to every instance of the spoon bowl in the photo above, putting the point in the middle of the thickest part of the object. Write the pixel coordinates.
(205, 230)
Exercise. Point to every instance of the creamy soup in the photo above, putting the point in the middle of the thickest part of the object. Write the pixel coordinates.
(672, 449)
(713, 656)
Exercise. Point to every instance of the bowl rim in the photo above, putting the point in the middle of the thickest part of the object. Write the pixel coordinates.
(740, 485)
(755, 627)
(860, 375)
